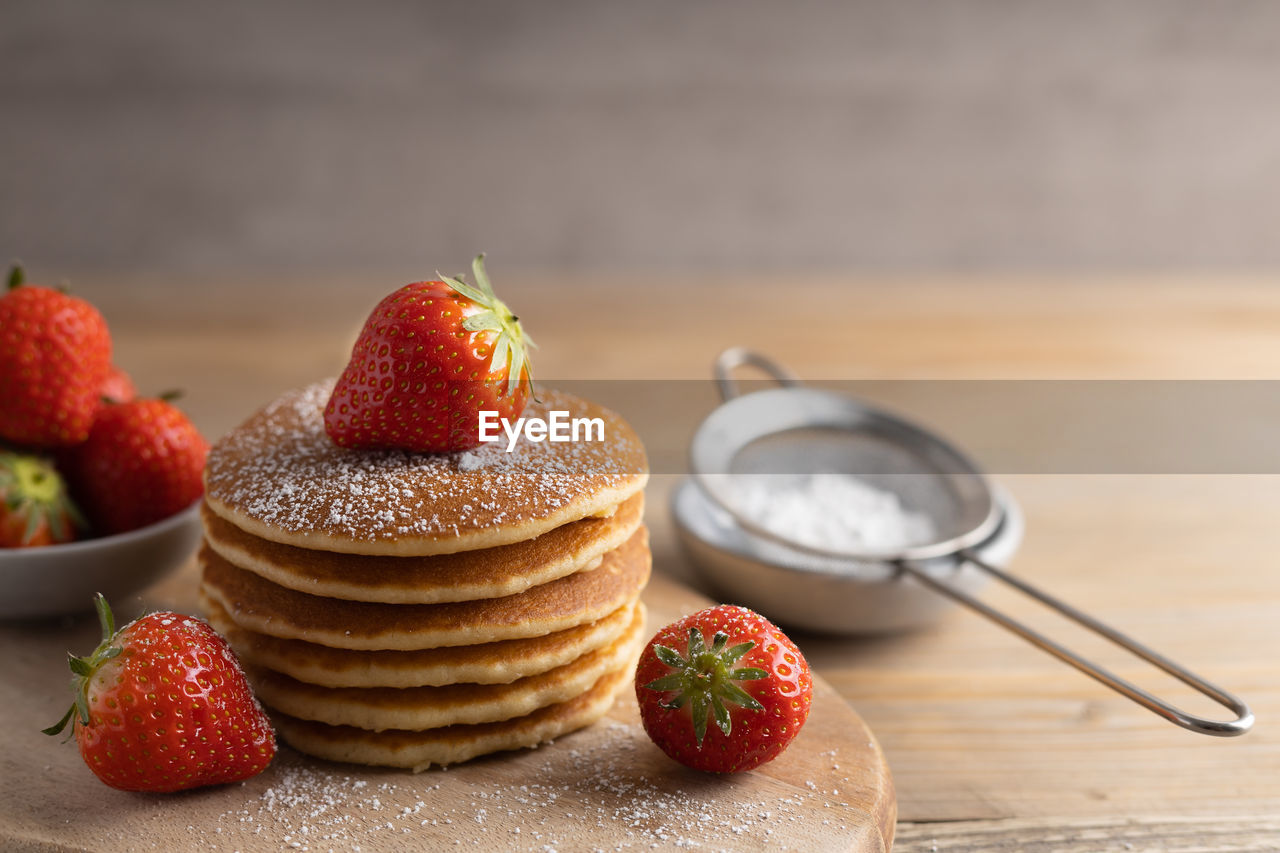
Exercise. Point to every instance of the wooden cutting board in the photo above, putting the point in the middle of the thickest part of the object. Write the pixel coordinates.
(606, 787)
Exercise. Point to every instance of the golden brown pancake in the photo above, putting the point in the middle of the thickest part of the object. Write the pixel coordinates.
(464, 576)
(258, 605)
(488, 663)
(451, 744)
(420, 708)
(279, 476)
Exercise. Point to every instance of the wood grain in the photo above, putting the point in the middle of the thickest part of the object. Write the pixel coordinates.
(1081, 835)
(978, 728)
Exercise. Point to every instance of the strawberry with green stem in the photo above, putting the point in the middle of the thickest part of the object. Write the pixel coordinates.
(728, 706)
(142, 462)
(35, 508)
(55, 354)
(431, 357)
(705, 677)
(162, 705)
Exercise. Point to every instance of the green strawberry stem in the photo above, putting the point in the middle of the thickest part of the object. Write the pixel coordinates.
(510, 350)
(85, 667)
(16, 276)
(33, 486)
(705, 680)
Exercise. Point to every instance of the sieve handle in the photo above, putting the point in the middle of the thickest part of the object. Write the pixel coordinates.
(1244, 717)
(735, 357)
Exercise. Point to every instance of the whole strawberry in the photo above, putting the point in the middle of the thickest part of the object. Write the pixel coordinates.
(55, 352)
(142, 462)
(34, 506)
(163, 706)
(429, 359)
(727, 703)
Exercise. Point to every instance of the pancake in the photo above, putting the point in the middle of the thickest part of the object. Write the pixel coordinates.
(420, 708)
(464, 576)
(279, 476)
(451, 744)
(258, 605)
(488, 663)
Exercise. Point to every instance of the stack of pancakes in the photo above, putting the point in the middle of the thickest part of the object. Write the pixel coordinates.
(415, 609)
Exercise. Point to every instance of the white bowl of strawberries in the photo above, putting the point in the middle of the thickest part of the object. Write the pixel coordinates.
(99, 489)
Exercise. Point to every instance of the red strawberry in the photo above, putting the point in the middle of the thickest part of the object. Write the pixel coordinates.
(34, 506)
(752, 685)
(142, 462)
(163, 706)
(117, 387)
(430, 358)
(54, 355)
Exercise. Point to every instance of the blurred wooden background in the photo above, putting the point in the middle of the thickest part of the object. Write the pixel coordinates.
(723, 135)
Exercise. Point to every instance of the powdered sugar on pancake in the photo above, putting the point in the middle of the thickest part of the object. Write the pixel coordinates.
(281, 470)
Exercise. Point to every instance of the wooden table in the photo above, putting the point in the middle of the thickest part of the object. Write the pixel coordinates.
(992, 744)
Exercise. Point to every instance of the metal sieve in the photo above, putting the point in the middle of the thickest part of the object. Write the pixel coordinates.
(795, 431)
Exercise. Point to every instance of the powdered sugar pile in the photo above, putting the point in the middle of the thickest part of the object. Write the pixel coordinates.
(836, 512)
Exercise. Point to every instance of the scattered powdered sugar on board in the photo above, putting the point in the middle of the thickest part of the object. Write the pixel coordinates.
(595, 793)
(280, 468)
(608, 791)
(838, 512)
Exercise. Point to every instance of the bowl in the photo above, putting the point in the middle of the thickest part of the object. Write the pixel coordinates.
(51, 580)
(813, 593)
